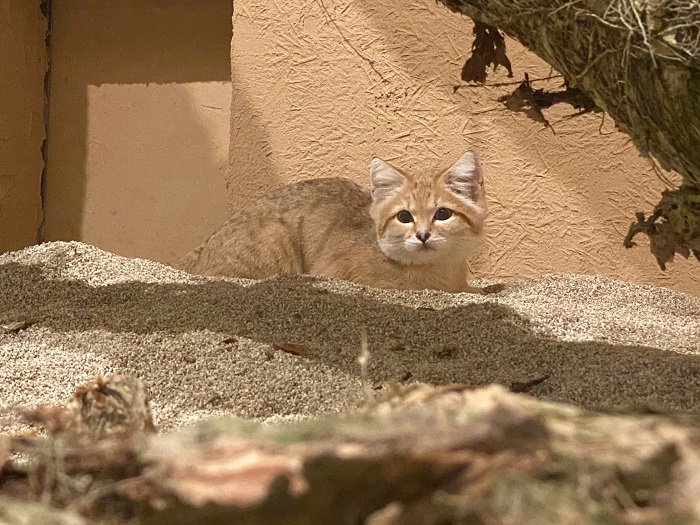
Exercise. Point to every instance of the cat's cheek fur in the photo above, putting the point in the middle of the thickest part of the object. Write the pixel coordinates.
(393, 247)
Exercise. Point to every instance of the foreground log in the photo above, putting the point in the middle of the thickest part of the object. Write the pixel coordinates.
(424, 455)
(639, 62)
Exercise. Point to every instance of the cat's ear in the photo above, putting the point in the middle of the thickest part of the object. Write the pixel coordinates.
(384, 178)
(465, 178)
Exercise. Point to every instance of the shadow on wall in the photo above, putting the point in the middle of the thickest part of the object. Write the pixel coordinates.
(138, 137)
(250, 148)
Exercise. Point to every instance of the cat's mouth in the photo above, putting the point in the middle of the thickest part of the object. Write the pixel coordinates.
(422, 246)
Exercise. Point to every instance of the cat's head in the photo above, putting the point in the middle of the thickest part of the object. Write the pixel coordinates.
(428, 218)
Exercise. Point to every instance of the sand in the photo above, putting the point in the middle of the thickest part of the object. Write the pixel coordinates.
(204, 345)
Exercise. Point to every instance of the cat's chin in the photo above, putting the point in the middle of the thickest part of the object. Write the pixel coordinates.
(436, 253)
(412, 254)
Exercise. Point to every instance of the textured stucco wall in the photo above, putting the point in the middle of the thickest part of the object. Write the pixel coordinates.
(320, 87)
(139, 128)
(22, 68)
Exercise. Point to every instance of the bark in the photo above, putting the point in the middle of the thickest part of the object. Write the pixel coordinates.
(639, 62)
(423, 455)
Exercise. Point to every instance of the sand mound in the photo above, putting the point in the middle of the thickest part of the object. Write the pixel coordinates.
(204, 345)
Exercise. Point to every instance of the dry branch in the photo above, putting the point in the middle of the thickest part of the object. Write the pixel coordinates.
(423, 455)
(639, 62)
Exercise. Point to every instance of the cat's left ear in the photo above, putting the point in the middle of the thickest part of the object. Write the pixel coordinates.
(385, 179)
(465, 178)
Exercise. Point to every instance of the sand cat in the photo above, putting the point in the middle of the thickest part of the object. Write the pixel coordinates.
(408, 232)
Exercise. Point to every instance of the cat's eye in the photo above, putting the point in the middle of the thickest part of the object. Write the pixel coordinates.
(404, 216)
(442, 214)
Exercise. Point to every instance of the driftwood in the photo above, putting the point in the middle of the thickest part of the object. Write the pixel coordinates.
(637, 61)
(422, 455)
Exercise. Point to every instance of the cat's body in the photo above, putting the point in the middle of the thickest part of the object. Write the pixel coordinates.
(334, 228)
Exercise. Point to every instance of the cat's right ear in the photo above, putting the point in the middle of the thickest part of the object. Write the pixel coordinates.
(385, 179)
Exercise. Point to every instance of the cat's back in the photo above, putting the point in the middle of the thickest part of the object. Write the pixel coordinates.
(308, 195)
(270, 234)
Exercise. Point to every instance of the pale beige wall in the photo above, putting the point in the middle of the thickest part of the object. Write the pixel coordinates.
(139, 129)
(319, 93)
(22, 68)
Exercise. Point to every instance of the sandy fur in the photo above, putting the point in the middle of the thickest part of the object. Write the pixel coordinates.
(334, 228)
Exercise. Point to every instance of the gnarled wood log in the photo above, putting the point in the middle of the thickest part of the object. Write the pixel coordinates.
(424, 455)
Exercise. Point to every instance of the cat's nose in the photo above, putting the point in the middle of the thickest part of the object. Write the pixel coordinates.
(422, 235)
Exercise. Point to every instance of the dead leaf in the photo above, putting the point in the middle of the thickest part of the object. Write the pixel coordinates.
(673, 227)
(494, 288)
(446, 351)
(520, 387)
(18, 325)
(290, 348)
(488, 49)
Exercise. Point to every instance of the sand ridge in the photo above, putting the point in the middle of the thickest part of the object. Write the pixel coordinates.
(204, 345)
